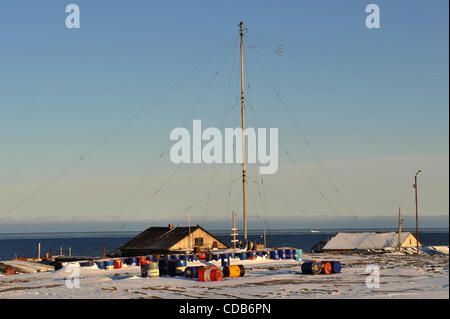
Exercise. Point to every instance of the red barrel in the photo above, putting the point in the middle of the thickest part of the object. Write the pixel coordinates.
(117, 263)
(209, 274)
(142, 260)
(202, 256)
(325, 267)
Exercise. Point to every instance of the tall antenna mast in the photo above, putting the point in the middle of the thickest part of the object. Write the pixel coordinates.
(244, 203)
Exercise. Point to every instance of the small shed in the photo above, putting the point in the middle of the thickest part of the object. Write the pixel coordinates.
(351, 242)
(168, 240)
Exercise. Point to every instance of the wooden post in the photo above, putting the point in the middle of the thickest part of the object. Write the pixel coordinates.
(244, 204)
(60, 251)
(399, 244)
(70, 251)
(417, 212)
(39, 250)
(104, 250)
(189, 223)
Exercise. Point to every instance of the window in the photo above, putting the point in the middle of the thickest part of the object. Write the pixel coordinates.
(198, 241)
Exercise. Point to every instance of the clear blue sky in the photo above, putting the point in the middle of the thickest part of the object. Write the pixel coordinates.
(368, 101)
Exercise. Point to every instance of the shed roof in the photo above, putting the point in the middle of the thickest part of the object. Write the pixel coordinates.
(368, 240)
(161, 237)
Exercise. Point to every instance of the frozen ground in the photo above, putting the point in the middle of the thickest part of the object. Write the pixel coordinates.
(401, 276)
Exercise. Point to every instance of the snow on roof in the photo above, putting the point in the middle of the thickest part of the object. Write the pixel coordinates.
(364, 240)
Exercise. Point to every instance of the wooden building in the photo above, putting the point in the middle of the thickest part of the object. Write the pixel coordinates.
(168, 240)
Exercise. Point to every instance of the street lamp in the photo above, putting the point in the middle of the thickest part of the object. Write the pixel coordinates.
(417, 210)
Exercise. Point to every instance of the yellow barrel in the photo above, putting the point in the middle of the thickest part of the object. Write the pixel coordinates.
(231, 271)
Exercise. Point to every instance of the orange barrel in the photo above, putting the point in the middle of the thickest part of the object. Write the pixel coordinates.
(325, 267)
(209, 274)
(142, 260)
(117, 263)
(232, 271)
(152, 269)
(242, 270)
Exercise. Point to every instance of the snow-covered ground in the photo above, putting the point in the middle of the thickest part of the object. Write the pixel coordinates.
(401, 276)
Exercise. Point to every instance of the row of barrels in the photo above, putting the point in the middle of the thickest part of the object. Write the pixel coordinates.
(321, 267)
(224, 258)
(178, 268)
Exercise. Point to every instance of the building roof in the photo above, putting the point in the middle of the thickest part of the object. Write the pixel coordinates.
(162, 238)
(364, 240)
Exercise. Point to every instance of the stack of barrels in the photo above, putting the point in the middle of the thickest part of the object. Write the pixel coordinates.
(321, 267)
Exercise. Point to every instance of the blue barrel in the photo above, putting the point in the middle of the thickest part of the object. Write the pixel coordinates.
(335, 267)
(274, 255)
(86, 264)
(282, 253)
(172, 267)
(251, 255)
(163, 268)
(174, 257)
(233, 255)
(149, 257)
(260, 253)
(166, 257)
(298, 255)
(224, 256)
(225, 261)
(109, 264)
(243, 256)
(131, 261)
(192, 257)
(216, 257)
(312, 267)
(100, 264)
(191, 272)
(184, 258)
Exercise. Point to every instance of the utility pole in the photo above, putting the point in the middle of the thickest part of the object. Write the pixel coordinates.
(189, 223)
(417, 211)
(234, 234)
(244, 204)
(399, 244)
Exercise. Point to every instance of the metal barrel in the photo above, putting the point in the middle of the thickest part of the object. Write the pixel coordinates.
(86, 264)
(231, 271)
(251, 255)
(210, 274)
(162, 266)
(141, 260)
(131, 261)
(117, 263)
(144, 272)
(298, 255)
(260, 253)
(149, 258)
(109, 264)
(191, 272)
(311, 267)
(100, 264)
(274, 255)
(172, 268)
(243, 256)
(325, 267)
(216, 257)
(225, 261)
(153, 269)
(242, 273)
(282, 253)
(335, 267)
(209, 256)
